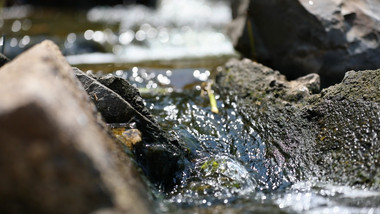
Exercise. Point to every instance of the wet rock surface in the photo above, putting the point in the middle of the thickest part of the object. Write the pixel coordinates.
(55, 155)
(300, 37)
(332, 135)
(120, 102)
(348, 119)
(128, 92)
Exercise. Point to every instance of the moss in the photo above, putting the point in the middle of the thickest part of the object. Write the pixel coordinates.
(212, 165)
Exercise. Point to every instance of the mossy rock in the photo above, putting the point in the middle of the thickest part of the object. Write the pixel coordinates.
(332, 136)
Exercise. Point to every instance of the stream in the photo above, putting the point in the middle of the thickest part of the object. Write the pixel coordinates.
(169, 55)
(231, 173)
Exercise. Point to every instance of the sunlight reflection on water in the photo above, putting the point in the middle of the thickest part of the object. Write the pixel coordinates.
(176, 29)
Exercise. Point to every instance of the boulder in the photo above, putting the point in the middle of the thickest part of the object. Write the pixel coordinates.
(120, 102)
(128, 92)
(113, 107)
(332, 136)
(56, 156)
(328, 37)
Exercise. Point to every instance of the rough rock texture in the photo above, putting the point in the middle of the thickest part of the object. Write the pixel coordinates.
(348, 119)
(328, 37)
(113, 107)
(332, 135)
(55, 157)
(128, 92)
(119, 102)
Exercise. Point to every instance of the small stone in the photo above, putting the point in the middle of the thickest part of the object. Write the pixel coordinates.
(132, 136)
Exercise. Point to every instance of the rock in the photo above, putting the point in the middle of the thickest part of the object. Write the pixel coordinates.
(128, 92)
(3, 59)
(332, 136)
(55, 156)
(112, 106)
(347, 117)
(157, 147)
(269, 84)
(130, 137)
(327, 37)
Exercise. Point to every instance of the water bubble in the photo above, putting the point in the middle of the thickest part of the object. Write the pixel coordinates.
(152, 33)
(140, 35)
(169, 73)
(16, 26)
(119, 72)
(26, 24)
(163, 36)
(126, 37)
(163, 79)
(71, 37)
(196, 73)
(145, 27)
(88, 34)
(24, 41)
(99, 36)
(13, 42)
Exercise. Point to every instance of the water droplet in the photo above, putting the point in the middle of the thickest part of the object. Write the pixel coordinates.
(88, 34)
(169, 73)
(16, 26)
(119, 72)
(99, 36)
(26, 24)
(140, 35)
(71, 37)
(126, 37)
(163, 79)
(24, 41)
(13, 42)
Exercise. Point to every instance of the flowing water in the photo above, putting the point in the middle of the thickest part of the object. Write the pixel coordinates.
(170, 56)
(231, 173)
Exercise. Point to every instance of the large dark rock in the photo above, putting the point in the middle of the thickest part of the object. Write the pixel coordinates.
(333, 135)
(128, 92)
(299, 37)
(120, 102)
(55, 155)
(3, 59)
